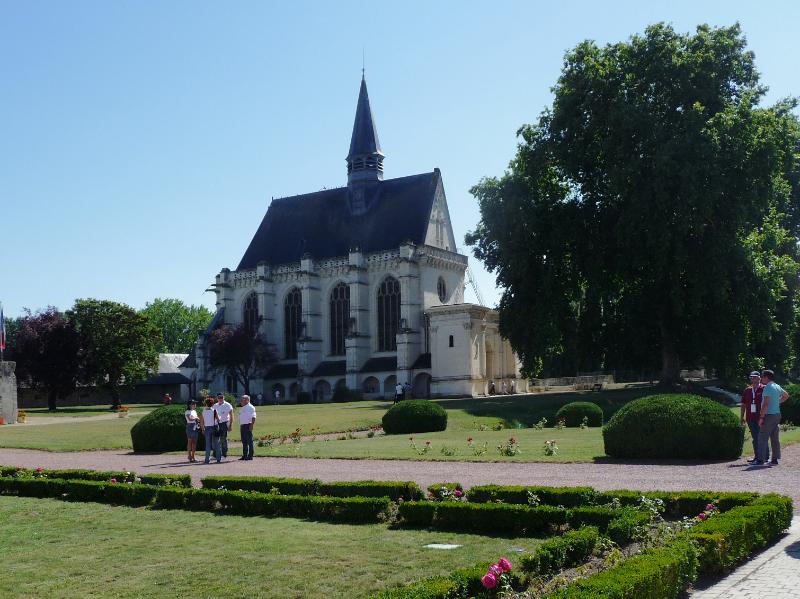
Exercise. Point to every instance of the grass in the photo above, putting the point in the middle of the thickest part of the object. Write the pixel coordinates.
(516, 413)
(83, 411)
(575, 445)
(59, 549)
(113, 433)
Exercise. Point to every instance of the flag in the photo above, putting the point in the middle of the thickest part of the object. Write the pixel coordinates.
(2, 330)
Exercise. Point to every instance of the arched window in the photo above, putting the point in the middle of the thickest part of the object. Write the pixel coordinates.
(340, 316)
(250, 313)
(441, 288)
(292, 321)
(388, 314)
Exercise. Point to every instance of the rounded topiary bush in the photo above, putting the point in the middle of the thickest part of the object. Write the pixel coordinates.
(674, 426)
(163, 429)
(790, 409)
(573, 413)
(414, 416)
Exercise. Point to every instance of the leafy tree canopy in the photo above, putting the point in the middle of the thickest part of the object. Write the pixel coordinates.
(47, 345)
(119, 344)
(650, 218)
(240, 353)
(179, 324)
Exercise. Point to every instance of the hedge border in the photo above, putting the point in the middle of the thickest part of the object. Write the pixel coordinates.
(395, 490)
(354, 510)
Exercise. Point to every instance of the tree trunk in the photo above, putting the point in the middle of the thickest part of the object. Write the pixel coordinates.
(670, 360)
(51, 401)
(115, 403)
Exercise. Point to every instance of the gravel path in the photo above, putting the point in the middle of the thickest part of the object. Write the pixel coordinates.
(724, 476)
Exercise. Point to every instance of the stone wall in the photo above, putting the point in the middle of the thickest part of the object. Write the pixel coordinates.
(8, 392)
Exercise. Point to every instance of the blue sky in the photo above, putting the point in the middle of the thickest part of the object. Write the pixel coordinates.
(141, 142)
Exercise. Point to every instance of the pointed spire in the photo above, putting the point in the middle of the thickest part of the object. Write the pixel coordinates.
(365, 159)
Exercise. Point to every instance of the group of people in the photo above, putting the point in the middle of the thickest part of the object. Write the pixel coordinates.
(214, 423)
(761, 409)
(504, 389)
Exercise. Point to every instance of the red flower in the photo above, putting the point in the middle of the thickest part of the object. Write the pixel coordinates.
(504, 564)
(489, 581)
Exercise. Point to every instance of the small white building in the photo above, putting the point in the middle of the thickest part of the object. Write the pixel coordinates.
(362, 286)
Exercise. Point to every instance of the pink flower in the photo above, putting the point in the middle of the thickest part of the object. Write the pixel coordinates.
(495, 570)
(458, 493)
(113, 480)
(39, 469)
(702, 516)
(710, 507)
(504, 564)
(489, 581)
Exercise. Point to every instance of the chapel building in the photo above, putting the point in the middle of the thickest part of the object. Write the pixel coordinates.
(362, 286)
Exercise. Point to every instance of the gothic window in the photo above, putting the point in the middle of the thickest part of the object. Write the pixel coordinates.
(250, 313)
(340, 316)
(388, 314)
(292, 321)
(441, 288)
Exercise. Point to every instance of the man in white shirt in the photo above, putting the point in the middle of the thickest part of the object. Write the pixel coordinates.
(398, 392)
(225, 412)
(247, 420)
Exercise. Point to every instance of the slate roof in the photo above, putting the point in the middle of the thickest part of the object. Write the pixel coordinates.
(382, 364)
(332, 368)
(365, 135)
(321, 224)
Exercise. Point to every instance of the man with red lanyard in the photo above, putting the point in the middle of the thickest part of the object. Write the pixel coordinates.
(751, 410)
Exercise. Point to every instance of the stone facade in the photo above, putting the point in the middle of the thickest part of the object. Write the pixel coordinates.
(401, 244)
(8, 392)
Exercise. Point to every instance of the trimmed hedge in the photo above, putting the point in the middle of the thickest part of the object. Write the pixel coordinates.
(680, 503)
(481, 518)
(790, 409)
(167, 480)
(571, 549)
(461, 584)
(406, 490)
(356, 510)
(163, 429)
(566, 496)
(674, 426)
(573, 413)
(435, 489)
(660, 573)
(414, 416)
(727, 538)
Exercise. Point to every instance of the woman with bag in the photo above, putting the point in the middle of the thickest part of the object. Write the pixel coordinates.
(209, 424)
(192, 429)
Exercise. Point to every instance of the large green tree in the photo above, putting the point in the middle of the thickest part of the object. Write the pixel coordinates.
(650, 218)
(48, 347)
(178, 323)
(119, 344)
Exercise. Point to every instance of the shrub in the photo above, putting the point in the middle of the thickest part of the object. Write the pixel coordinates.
(566, 496)
(435, 490)
(660, 573)
(171, 498)
(674, 426)
(481, 517)
(163, 429)
(167, 480)
(343, 395)
(414, 416)
(790, 409)
(460, 584)
(303, 397)
(297, 486)
(571, 549)
(729, 537)
(32, 487)
(573, 413)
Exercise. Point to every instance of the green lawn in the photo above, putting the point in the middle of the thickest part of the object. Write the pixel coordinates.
(112, 433)
(59, 549)
(82, 411)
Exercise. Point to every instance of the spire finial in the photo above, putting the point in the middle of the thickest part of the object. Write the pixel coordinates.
(363, 61)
